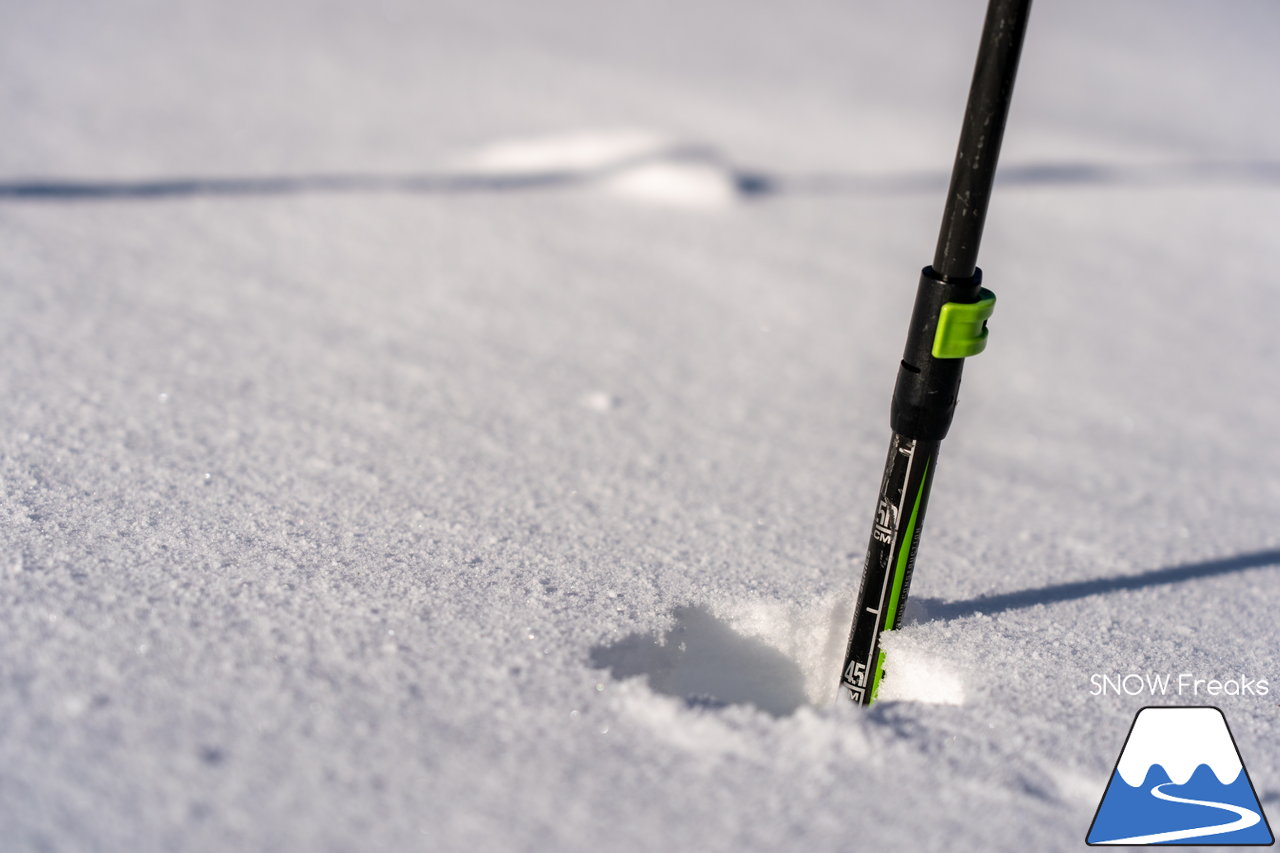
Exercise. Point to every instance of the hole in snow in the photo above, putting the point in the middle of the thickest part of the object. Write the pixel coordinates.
(707, 663)
(775, 657)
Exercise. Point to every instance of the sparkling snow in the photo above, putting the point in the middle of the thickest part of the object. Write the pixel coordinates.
(456, 427)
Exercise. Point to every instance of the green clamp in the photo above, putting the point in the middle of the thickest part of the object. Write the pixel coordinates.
(962, 327)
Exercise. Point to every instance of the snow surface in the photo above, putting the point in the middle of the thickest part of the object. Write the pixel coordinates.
(364, 488)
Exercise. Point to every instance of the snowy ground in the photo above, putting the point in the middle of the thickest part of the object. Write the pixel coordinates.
(447, 428)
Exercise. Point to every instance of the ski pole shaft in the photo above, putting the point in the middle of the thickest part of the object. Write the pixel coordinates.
(948, 324)
(981, 133)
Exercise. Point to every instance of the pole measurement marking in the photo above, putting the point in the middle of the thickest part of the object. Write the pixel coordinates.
(890, 568)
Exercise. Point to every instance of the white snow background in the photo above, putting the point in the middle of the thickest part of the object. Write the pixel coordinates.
(456, 427)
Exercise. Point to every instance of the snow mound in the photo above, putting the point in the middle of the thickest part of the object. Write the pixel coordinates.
(637, 165)
(915, 673)
(580, 152)
(689, 184)
(600, 401)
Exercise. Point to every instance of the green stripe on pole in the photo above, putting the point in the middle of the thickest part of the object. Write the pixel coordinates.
(875, 681)
(904, 553)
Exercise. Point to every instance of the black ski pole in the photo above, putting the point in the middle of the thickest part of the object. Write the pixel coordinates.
(948, 324)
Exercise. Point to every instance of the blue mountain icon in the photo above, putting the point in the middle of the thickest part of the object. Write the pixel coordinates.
(1180, 780)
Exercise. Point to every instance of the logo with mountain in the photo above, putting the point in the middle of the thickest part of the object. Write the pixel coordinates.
(1180, 781)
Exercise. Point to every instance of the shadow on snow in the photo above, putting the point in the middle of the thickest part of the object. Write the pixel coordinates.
(707, 664)
(750, 183)
(1055, 593)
